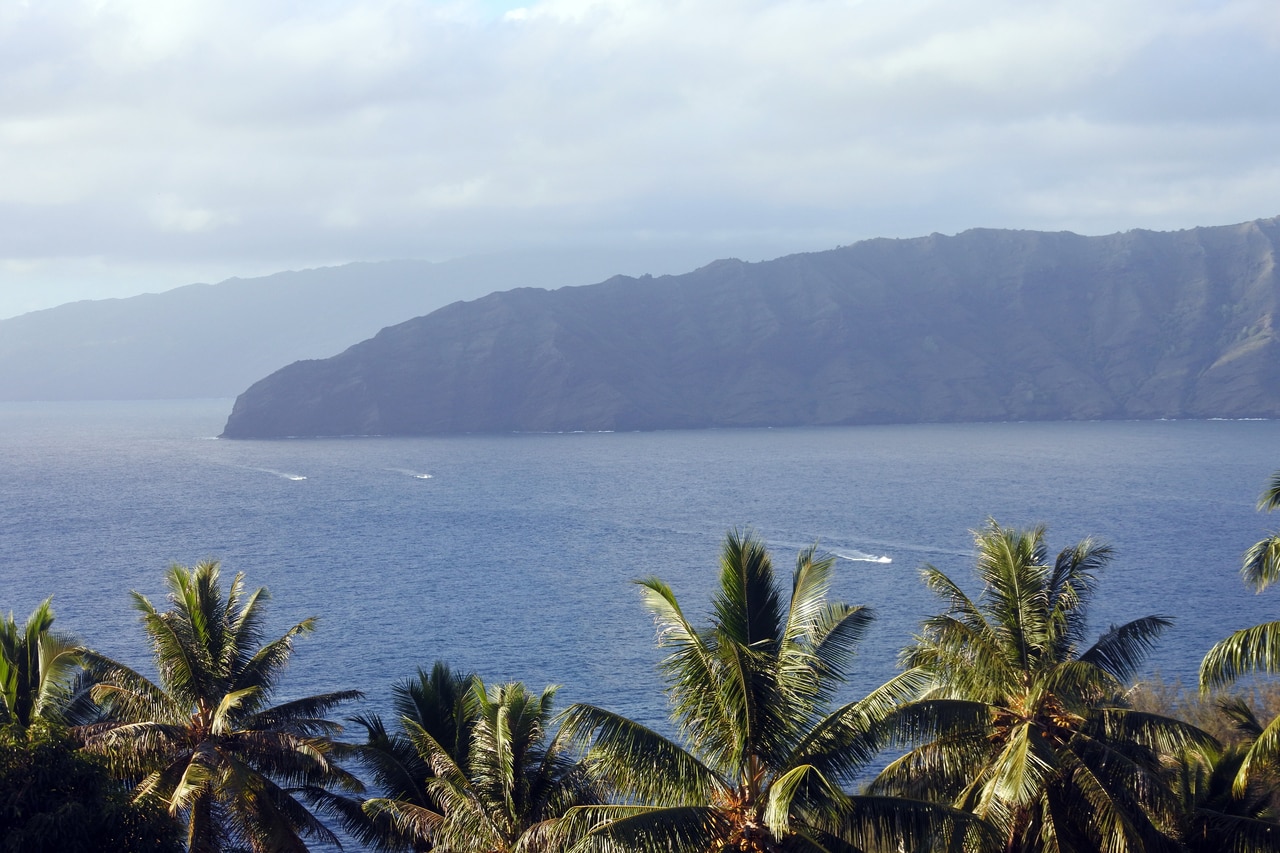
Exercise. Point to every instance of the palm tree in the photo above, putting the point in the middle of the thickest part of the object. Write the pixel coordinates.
(761, 763)
(1218, 817)
(442, 704)
(38, 667)
(1025, 727)
(1254, 649)
(509, 792)
(204, 740)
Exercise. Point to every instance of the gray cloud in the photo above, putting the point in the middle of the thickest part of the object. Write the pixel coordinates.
(147, 143)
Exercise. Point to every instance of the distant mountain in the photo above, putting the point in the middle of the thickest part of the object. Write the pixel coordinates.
(206, 340)
(987, 325)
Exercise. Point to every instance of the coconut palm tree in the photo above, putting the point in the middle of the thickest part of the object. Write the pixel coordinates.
(38, 669)
(1219, 818)
(762, 758)
(204, 739)
(507, 794)
(1254, 649)
(1024, 725)
(441, 703)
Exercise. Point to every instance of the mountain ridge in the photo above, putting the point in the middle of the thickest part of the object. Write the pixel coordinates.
(213, 340)
(988, 324)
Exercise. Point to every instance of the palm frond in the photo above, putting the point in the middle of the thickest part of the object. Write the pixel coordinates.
(1255, 649)
(747, 606)
(623, 829)
(640, 763)
(895, 823)
(1264, 752)
(1123, 648)
(1261, 564)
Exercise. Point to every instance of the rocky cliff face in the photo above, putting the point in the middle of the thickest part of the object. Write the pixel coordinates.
(985, 325)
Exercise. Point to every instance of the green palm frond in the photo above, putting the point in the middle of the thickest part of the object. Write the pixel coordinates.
(1261, 565)
(1264, 752)
(895, 823)
(1255, 649)
(264, 667)
(412, 820)
(1131, 805)
(1123, 648)
(1241, 716)
(638, 760)
(307, 716)
(848, 739)
(37, 668)
(1270, 498)
(625, 829)
(1161, 734)
(803, 787)
(747, 606)
(839, 631)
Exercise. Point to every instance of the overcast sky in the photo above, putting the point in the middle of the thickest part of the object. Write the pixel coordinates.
(146, 144)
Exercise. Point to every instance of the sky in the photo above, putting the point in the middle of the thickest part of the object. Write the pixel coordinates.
(146, 144)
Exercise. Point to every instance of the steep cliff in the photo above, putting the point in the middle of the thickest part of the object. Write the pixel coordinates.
(984, 325)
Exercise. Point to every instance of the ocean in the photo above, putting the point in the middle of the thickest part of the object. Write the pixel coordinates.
(513, 556)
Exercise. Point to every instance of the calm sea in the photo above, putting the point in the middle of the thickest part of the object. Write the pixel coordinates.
(513, 555)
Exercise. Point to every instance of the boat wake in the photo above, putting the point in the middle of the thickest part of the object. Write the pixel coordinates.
(859, 556)
(412, 472)
(283, 475)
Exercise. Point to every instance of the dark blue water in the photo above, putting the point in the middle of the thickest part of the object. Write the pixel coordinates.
(514, 558)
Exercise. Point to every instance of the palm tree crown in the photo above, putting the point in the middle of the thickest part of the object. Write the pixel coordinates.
(762, 761)
(204, 739)
(1025, 726)
(510, 790)
(37, 667)
(1253, 649)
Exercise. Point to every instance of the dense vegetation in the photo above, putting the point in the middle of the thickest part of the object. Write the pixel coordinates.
(1005, 730)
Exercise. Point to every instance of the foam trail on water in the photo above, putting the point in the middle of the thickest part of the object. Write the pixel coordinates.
(412, 472)
(860, 557)
(283, 475)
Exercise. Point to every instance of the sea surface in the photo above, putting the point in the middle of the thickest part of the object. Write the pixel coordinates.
(514, 555)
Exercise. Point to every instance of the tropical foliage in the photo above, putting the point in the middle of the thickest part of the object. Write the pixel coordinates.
(508, 792)
(38, 669)
(762, 758)
(1219, 817)
(1012, 731)
(1026, 727)
(55, 799)
(205, 740)
(1254, 649)
(440, 704)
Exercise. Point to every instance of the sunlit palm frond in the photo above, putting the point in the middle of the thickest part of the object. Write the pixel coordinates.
(848, 739)
(637, 760)
(1263, 752)
(626, 829)
(1255, 649)
(1261, 564)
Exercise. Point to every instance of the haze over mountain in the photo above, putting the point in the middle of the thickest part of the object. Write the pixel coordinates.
(984, 325)
(206, 340)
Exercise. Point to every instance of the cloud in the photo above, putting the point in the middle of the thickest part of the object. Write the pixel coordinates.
(234, 135)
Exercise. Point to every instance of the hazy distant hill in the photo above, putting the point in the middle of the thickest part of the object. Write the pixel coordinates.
(985, 325)
(207, 340)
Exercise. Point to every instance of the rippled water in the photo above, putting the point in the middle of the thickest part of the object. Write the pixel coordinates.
(512, 555)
